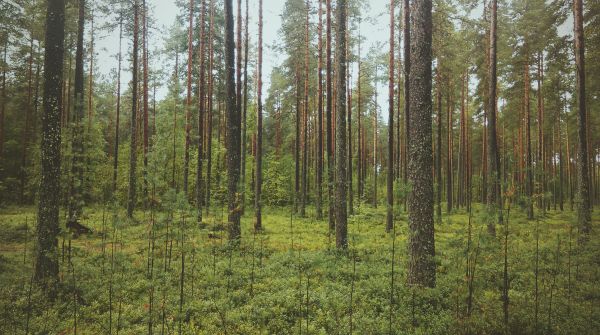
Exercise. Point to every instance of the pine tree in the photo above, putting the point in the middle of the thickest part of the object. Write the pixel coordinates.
(46, 264)
(259, 125)
(421, 242)
(188, 102)
(233, 130)
(390, 172)
(132, 199)
(583, 194)
(494, 199)
(341, 223)
(201, 117)
(77, 167)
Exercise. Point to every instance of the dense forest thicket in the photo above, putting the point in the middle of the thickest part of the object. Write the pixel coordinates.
(445, 181)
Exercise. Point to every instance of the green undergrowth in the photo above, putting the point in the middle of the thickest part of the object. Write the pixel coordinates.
(289, 279)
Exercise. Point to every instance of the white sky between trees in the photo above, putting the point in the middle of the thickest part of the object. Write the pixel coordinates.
(375, 33)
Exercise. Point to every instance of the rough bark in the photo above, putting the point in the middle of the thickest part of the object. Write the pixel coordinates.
(244, 139)
(494, 199)
(201, 116)
(188, 103)
(131, 199)
(239, 101)
(46, 265)
(528, 159)
(438, 151)
(407, 62)
(583, 195)
(145, 96)
(233, 131)
(76, 178)
(420, 202)
(118, 111)
(304, 179)
(328, 112)
(341, 224)
(390, 160)
(259, 125)
(319, 186)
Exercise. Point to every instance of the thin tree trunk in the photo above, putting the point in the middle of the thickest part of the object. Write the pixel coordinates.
(349, 120)
(297, 144)
(390, 172)
(329, 108)
(76, 178)
(259, 125)
(450, 152)
(26, 133)
(438, 151)
(375, 172)
(188, 103)
(528, 167)
(319, 186)
(239, 101)
(245, 106)
(303, 186)
(494, 199)
(341, 224)
(91, 78)
(145, 96)
(131, 199)
(118, 114)
(407, 63)
(201, 112)
(3, 95)
(209, 130)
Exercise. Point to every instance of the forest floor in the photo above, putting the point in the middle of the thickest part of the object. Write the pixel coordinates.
(290, 279)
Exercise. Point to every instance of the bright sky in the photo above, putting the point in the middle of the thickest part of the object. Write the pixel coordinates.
(375, 32)
(165, 12)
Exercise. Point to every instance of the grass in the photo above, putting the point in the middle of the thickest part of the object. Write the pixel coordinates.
(290, 279)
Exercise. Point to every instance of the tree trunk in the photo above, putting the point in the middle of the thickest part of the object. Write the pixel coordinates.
(201, 116)
(46, 265)
(528, 163)
(494, 199)
(319, 186)
(438, 151)
(76, 178)
(583, 208)
(420, 203)
(238, 95)
(341, 224)
(390, 172)
(118, 114)
(131, 202)
(450, 152)
(3, 96)
(407, 63)
(209, 130)
(244, 148)
(145, 97)
(349, 120)
(233, 131)
(329, 107)
(259, 125)
(188, 103)
(297, 144)
(303, 186)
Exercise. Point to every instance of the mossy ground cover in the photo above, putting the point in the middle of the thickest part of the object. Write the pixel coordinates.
(290, 280)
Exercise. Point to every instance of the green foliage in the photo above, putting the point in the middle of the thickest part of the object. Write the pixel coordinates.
(261, 287)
